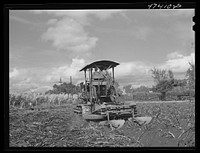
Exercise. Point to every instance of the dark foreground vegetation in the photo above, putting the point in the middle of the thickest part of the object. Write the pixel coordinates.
(173, 125)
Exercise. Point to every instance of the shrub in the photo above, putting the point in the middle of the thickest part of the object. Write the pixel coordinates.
(145, 96)
(33, 100)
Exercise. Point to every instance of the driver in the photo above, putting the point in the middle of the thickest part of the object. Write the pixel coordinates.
(97, 74)
(106, 74)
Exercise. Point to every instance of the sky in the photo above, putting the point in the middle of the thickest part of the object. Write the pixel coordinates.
(45, 45)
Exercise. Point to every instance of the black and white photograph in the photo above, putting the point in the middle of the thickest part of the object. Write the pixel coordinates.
(102, 78)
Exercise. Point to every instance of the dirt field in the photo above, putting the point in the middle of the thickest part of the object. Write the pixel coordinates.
(173, 125)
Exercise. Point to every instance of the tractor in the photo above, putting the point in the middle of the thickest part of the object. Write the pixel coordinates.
(101, 100)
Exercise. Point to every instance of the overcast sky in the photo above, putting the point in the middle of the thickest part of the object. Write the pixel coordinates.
(47, 45)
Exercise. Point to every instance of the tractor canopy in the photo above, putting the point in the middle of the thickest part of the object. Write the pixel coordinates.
(102, 65)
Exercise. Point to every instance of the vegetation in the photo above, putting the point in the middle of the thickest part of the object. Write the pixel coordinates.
(190, 74)
(173, 125)
(166, 87)
(164, 81)
(64, 88)
(146, 96)
(34, 100)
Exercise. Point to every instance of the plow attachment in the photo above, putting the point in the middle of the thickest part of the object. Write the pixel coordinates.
(114, 124)
(113, 116)
(117, 124)
(142, 120)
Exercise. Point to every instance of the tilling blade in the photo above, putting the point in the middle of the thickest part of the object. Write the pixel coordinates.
(143, 120)
(117, 123)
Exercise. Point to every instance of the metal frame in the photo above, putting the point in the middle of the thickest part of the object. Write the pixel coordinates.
(102, 65)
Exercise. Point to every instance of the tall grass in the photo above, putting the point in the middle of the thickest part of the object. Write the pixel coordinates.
(33, 100)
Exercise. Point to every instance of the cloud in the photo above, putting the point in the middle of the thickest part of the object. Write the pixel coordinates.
(174, 55)
(41, 89)
(66, 71)
(52, 21)
(23, 86)
(136, 79)
(81, 16)
(178, 62)
(23, 80)
(20, 75)
(138, 73)
(84, 16)
(67, 34)
(67, 31)
(135, 73)
(131, 68)
(141, 32)
(27, 76)
(14, 73)
(27, 80)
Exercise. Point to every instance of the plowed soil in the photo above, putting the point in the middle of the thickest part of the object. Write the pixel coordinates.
(172, 125)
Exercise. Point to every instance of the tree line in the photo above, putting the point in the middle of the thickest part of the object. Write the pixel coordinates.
(166, 83)
(64, 88)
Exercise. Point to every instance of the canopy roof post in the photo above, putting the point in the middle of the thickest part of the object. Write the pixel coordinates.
(90, 84)
(85, 83)
(113, 74)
